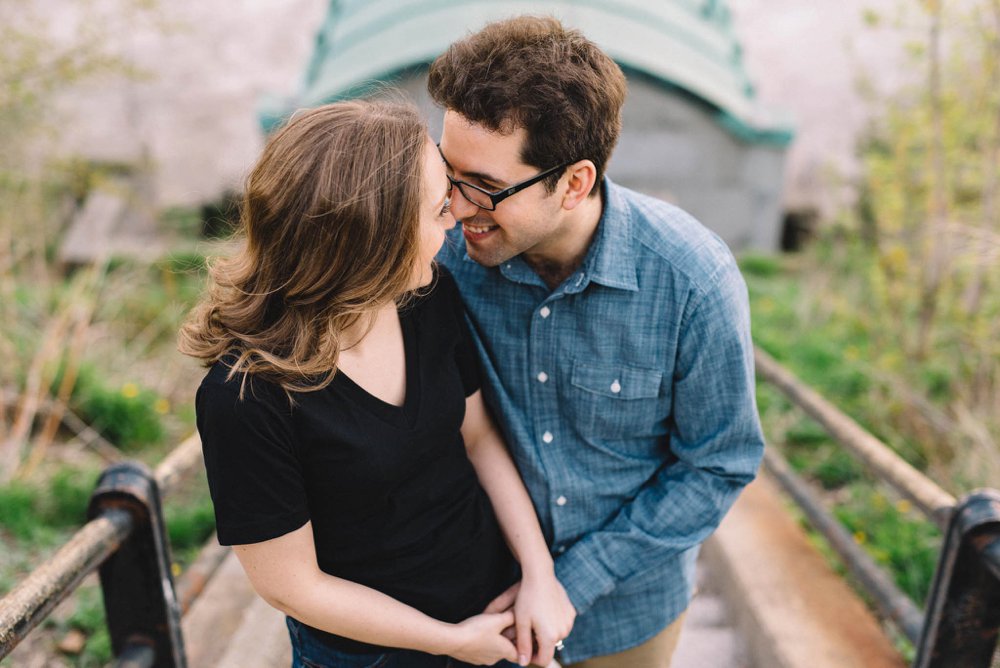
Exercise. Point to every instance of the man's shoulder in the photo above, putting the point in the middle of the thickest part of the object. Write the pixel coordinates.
(667, 233)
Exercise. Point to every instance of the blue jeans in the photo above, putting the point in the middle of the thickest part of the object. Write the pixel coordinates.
(310, 652)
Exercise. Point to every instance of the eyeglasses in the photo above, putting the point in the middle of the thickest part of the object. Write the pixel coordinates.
(487, 200)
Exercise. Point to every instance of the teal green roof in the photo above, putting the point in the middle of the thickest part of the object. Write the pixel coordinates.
(688, 44)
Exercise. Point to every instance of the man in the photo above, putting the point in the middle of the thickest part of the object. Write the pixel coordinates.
(613, 327)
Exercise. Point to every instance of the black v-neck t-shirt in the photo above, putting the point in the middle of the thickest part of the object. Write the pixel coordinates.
(393, 499)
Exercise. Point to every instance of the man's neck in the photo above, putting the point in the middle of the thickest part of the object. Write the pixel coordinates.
(556, 262)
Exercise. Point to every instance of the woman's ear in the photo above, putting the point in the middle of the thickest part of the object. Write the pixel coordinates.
(581, 178)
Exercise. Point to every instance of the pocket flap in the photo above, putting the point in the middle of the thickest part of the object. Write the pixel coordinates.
(617, 381)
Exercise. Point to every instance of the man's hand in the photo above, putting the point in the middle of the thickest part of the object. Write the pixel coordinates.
(543, 615)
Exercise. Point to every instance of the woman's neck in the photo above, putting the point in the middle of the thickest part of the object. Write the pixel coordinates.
(364, 331)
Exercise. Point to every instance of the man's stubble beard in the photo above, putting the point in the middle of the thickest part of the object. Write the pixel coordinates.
(492, 254)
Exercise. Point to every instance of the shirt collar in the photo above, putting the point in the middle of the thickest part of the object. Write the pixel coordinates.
(610, 259)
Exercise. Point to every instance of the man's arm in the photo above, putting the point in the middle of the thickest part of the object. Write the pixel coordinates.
(715, 435)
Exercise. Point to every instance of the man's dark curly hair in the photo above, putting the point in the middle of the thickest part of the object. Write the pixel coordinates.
(532, 72)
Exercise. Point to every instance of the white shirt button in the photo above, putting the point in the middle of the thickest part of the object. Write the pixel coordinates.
(547, 437)
(561, 501)
(542, 377)
(560, 549)
(544, 311)
(616, 387)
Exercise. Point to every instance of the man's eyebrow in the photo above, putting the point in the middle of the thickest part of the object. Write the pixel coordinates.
(482, 176)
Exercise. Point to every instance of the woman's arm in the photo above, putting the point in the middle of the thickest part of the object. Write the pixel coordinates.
(285, 574)
(542, 606)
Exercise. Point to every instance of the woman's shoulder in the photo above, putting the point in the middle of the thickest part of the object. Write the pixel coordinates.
(222, 384)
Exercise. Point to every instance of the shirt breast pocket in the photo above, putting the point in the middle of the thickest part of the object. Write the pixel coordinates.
(617, 402)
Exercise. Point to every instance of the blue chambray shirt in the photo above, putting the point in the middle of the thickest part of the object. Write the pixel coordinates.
(627, 399)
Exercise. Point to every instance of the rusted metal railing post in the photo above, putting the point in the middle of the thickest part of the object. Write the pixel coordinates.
(963, 612)
(139, 597)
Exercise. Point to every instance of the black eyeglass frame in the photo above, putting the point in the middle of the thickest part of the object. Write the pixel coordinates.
(502, 194)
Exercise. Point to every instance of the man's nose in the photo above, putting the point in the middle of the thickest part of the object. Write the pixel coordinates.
(461, 207)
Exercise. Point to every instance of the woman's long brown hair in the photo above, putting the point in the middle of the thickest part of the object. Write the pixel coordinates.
(330, 217)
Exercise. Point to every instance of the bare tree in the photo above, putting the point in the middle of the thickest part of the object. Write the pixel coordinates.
(936, 234)
(991, 175)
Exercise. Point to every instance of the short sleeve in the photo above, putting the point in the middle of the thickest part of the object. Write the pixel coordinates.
(254, 475)
(465, 351)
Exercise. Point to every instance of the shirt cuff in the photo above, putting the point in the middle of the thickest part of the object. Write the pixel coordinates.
(583, 577)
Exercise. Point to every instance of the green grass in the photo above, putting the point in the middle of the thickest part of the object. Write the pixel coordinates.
(43, 512)
(88, 618)
(899, 539)
(190, 520)
(126, 416)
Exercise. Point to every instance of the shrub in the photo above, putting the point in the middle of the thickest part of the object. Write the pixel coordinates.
(126, 416)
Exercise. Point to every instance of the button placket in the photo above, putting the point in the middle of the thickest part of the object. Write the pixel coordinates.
(543, 360)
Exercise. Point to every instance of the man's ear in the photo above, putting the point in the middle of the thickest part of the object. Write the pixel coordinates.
(581, 178)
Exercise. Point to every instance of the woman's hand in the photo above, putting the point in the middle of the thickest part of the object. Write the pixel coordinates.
(542, 610)
(479, 639)
(542, 613)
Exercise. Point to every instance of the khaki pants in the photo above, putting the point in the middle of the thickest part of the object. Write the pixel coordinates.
(654, 653)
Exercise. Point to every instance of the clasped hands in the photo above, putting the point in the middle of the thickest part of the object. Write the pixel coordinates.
(543, 617)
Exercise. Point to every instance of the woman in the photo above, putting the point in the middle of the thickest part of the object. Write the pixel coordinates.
(351, 461)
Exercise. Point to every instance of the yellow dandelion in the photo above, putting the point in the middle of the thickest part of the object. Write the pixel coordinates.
(130, 390)
(904, 506)
(175, 568)
(892, 360)
(161, 406)
(896, 260)
(860, 537)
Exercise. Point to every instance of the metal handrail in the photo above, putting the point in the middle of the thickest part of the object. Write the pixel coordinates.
(962, 621)
(935, 502)
(34, 598)
(31, 600)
